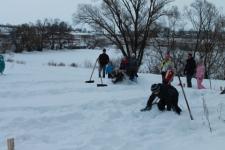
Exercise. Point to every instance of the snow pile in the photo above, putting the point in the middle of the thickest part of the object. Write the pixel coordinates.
(52, 108)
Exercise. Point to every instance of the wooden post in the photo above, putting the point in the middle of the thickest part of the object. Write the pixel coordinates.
(10, 144)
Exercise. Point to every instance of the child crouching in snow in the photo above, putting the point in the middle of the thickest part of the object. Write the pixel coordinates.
(168, 98)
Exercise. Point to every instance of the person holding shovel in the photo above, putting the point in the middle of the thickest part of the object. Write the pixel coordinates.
(103, 60)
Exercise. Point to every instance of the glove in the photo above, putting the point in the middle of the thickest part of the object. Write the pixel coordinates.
(147, 108)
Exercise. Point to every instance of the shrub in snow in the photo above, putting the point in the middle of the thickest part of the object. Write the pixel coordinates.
(20, 62)
(61, 64)
(220, 109)
(206, 113)
(74, 65)
(10, 60)
(52, 63)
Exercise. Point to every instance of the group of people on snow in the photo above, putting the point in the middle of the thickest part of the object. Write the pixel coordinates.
(128, 67)
(191, 68)
(167, 94)
(164, 93)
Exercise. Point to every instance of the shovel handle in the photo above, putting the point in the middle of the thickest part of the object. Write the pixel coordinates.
(93, 69)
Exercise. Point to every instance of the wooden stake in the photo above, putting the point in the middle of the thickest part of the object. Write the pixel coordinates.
(10, 144)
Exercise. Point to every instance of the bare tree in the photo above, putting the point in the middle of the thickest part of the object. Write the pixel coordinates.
(127, 23)
(41, 31)
(170, 41)
(208, 23)
(174, 20)
(38, 36)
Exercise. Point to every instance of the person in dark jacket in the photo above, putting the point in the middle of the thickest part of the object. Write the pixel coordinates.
(168, 97)
(132, 68)
(103, 60)
(189, 69)
(2, 64)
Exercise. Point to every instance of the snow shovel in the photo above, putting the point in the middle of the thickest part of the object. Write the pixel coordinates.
(100, 85)
(92, 81)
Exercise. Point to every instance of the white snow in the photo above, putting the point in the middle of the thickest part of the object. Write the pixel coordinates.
(52, 108)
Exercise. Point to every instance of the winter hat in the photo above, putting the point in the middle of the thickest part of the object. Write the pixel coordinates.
(155, 88)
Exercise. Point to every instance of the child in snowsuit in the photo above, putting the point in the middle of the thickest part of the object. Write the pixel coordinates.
(200, 73)
(109, 70)
(165, 66)
(168, 96)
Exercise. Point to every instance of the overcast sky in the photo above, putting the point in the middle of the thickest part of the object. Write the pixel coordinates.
(24, 11)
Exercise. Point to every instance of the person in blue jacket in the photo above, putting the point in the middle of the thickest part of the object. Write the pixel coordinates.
(109, 69)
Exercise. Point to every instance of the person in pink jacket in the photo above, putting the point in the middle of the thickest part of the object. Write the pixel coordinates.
(200, 73)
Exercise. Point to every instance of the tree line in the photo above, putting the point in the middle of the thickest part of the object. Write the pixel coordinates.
(49, 33)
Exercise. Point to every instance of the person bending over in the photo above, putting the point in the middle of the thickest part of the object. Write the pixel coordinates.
(168, 98)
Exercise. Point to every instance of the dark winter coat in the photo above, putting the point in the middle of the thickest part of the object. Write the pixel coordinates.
(132, 65)
(168, 96)
(103, 59)
(190, 67)
(2, 64)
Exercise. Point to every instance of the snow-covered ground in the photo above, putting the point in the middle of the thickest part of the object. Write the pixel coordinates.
(52, 108)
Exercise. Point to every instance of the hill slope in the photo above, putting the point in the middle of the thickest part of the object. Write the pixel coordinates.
(51, 108)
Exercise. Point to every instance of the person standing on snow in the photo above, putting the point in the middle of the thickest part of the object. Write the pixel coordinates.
(2, 64)
(103, 60)
(132, 68)
(165, 66)
(189, 69)
(168, 97)
(200, 74)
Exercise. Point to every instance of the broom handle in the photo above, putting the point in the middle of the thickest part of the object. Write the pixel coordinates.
(93, 69)
(101, 80)
(185, 98)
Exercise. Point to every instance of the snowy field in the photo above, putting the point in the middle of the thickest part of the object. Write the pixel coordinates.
(52, 108)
